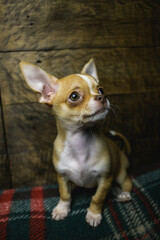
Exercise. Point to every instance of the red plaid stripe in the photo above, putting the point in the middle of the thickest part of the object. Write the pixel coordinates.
(147, 205)
(37, 218)
(117, 220)
(5, 205)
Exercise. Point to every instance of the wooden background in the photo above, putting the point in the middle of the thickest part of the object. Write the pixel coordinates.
(61, 36)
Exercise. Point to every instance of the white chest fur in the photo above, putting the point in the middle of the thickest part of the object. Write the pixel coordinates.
(81, 160)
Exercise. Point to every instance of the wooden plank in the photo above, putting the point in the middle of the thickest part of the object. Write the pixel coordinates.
(121, 70)
(137, 115)
(37, 25)
(131, 80)
(30, 131)
(124, 38)
(145, 151)
(32, 168)
(138, 118)
(4, 173)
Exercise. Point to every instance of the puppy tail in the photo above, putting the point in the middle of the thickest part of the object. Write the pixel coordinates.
(127, 146)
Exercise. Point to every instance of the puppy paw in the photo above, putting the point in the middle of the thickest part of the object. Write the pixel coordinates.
(61, 210)
(124, 197)
(93, 219)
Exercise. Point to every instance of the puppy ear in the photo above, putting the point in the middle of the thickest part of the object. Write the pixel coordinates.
(90, 69)
(40, 81)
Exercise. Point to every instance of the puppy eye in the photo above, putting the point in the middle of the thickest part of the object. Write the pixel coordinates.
(74, 96)
(101, 91)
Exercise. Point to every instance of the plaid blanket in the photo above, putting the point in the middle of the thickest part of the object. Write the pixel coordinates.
(26, 214)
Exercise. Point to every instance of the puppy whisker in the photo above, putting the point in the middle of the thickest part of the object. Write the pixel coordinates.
(114, 112)
(91, 131)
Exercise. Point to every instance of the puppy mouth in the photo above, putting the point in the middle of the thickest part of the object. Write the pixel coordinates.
(100, 111)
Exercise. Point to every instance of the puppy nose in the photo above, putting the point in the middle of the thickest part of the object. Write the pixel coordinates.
(100, 98)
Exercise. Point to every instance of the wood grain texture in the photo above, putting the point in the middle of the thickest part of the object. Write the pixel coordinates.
(40, 25)
(121, 70)
(5, 178)
(60, 37)
(131, 80)
(30, 130)
(138, 118)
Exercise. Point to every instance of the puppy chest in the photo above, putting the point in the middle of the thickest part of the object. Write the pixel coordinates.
(81, 161)
(78, 173)
(81, 170)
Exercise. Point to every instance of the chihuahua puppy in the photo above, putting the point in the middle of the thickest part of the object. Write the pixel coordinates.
(82, 154)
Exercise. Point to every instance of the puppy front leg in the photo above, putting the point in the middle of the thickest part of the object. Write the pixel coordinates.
(63, 207)
(94, 216)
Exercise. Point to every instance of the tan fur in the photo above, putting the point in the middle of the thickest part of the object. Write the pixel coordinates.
(127, 185)
(66, 86)
(64, 189)
(82, 155)
(103, 188)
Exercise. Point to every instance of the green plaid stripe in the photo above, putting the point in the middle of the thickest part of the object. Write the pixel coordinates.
(29, 215)
(18, 223)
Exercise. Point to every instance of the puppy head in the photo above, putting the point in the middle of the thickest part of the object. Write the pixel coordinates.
(76, 99)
